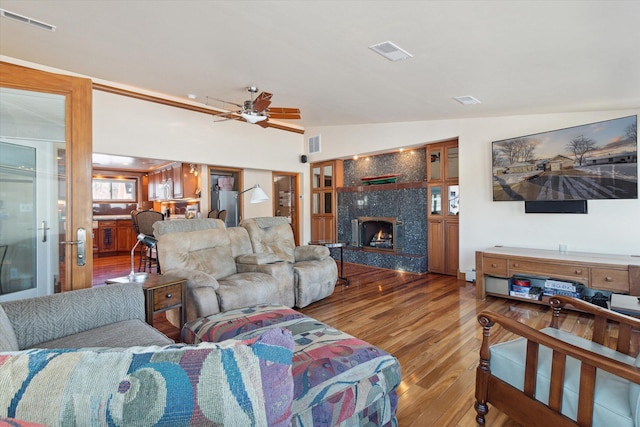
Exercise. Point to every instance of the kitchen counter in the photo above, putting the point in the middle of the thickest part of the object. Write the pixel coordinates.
(117, 217)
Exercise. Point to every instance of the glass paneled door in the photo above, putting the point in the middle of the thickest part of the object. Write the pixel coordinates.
(32, 192)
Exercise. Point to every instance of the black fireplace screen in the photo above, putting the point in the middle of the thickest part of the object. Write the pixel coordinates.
(376, 232)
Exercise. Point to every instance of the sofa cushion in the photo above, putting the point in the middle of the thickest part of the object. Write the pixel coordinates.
(197, 250)
(271, 235)
(611, 401)
(634, 397)
(246, 289)
(338, 379)
(127, 333)
(8, 341)
(230, 383)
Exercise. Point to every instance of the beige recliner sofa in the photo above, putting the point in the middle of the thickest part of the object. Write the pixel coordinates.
(315, 272)
(221, 269)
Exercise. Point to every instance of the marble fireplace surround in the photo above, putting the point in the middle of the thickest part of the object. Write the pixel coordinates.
(405, 200)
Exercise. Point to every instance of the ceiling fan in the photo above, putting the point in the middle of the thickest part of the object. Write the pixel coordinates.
(257, 110)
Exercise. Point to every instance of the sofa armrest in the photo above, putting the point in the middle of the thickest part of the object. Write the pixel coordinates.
(195, 278)
(311, 253)
(68, 313)
(257, 259)
(202, 299)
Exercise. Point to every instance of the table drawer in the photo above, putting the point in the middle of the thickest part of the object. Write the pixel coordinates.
(575, 272)
(494, 266)
(167, 296)
(610, 280)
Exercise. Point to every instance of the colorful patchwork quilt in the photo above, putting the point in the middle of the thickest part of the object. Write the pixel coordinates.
(339, 380)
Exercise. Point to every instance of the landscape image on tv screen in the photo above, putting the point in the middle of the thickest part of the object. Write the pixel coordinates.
(593, 161)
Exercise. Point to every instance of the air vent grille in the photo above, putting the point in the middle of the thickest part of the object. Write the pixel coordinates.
(466, 100)
(314, 144)
(391, 51)
(27, 20)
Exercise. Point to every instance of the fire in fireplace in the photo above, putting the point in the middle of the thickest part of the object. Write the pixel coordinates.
(375, 232)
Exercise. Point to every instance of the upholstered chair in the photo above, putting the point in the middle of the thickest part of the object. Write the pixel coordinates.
(221, 269)
(315, 272)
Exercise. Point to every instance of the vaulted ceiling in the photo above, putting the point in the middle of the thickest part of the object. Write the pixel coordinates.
(516, 57)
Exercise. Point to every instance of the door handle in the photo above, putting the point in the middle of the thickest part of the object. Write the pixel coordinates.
(81, 242)
(44, 229)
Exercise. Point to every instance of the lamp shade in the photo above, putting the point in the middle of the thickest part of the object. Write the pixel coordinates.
(258, 195)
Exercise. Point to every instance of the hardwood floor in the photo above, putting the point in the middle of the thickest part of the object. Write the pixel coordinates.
(427, 321)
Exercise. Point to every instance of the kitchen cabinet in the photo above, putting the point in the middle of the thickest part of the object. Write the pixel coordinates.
(125, 236)
(326, 177)
(172, 182)
(185, 184)
(106, 237)
(443, 209)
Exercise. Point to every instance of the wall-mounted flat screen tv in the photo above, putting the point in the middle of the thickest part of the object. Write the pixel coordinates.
(587, 162)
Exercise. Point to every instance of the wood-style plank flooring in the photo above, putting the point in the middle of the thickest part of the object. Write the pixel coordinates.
(427, 321)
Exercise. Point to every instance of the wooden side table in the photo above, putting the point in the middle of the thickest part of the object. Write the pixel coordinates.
(161, 293)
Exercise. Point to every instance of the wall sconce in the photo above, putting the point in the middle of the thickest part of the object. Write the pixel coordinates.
(194, 169)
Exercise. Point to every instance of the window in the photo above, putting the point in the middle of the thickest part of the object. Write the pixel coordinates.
(114, 189)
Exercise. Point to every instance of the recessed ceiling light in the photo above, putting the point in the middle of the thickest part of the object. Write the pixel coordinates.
(27, 20)
(391, 51)
(192, 96)
(466, 100)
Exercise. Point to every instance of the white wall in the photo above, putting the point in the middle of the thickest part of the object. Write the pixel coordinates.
(611, 226)
(128, 126)
(132, 127)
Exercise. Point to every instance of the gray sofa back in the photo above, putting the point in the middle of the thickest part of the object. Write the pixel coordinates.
(42, 319)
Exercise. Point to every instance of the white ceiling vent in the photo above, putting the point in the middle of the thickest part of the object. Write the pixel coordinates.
(466, 100)
(314, 144)
(27, 20)
(390, 51)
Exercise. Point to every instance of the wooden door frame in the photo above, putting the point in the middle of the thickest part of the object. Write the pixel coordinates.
(295, 199)
(78, 148)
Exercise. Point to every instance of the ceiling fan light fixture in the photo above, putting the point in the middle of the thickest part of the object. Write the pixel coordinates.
(253, 118)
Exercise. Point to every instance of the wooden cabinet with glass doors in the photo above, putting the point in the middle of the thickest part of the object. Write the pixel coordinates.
(443, 210)
(326, 177)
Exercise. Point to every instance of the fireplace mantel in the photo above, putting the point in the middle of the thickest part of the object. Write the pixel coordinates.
(382, 187)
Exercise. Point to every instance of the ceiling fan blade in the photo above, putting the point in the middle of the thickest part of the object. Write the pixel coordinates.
(262, 101)
(223, 102)
(279, 116)
(264, 123)
(284, 110)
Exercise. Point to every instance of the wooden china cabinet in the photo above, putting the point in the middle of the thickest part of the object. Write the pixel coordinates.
(443, 210)
(326, 177)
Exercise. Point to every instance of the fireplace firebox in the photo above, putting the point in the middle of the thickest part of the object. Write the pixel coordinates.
(376, 232)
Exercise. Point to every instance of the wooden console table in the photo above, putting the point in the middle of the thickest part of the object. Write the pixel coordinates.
(616, 273)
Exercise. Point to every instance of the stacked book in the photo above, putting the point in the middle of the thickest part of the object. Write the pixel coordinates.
(522, 288)
(559, 287)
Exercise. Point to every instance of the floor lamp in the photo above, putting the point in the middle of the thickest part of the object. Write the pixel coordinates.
(258, 196)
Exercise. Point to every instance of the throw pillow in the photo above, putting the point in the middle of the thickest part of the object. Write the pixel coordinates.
(8, 340)
(229, 383)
